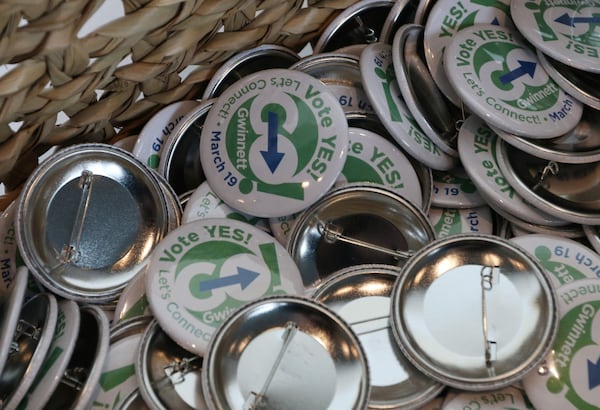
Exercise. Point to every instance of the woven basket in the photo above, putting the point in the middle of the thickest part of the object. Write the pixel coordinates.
(108, 83)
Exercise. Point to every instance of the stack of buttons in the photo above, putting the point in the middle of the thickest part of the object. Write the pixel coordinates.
(404, 219)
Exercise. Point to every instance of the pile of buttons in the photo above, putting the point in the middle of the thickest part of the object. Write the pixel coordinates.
(404, 219)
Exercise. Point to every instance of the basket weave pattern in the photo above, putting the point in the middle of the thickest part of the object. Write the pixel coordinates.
(111, 81)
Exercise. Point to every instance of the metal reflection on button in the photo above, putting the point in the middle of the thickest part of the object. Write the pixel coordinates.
(568, 191)
(356, 224)
(474, 312)
(361, 296)
(360, 23)
(437, 116)
(268, 353)
(88, 219)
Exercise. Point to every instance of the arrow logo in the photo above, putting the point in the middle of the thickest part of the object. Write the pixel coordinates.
(271, 156)
(571, 21)
(525, 68)
(593, 373)
(244, 277)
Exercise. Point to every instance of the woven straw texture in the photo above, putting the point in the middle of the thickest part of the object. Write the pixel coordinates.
(109, 82)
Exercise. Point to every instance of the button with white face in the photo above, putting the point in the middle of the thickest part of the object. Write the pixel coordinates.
(274, 142)
(206, 269)
(565, 30)
(476, 145)
(447, 17)
(500, 79)
(379, 80)
(568, 377)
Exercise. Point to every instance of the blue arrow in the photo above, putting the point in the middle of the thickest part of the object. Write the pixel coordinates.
(594, 373)
(525, 68)
(571, 21)
(271, 156)
(495, 21)
(244, 277)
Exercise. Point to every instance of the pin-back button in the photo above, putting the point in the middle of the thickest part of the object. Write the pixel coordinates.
(280, 344)
(361, 296)
(567, 191)
(30, 344)
(566, 31)
(274, 142)
(582, 85)
(401, 13)
(57, 358)
(78, 384)
(168, 375)
(88, 220)
(477, 278)
(204, 270)
(477, 148)
(180, 160)
(379, 79)
(356, 224)
(500, 79)
(360, 23)
(568, 377)
(437, 116)
(151, 140)
(447, 17)
(520, 227)
(11, 303)
(118, 378)
(579, 146)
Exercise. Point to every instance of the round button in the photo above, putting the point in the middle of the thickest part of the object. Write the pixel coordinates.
(274, 142)
(88, 219)
(151, 139)
(379, 81)
(474, 312)
(568, 377)
(202, 271)
(567, 191)
(436, 115)
(284, 359)
(447, 17)
(565, 259)
(476, 146)
(500, 79)
(361, 296)
(565, 30)
(372, 158)
(57, 358)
